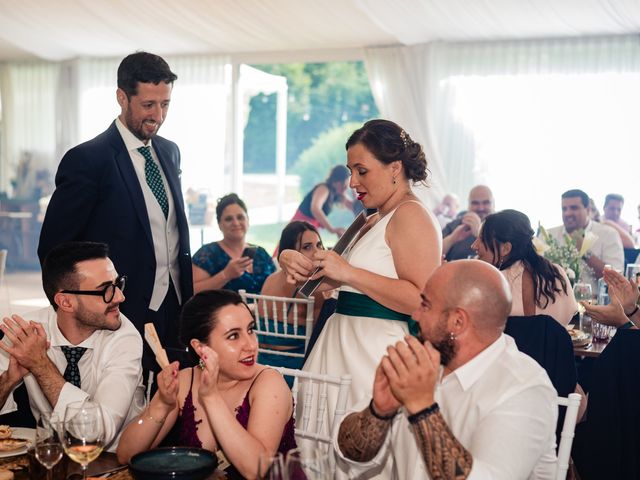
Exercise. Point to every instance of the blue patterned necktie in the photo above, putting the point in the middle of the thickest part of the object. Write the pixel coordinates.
(154, 179)
(73, 355)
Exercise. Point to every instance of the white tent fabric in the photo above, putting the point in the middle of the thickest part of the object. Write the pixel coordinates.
(65, 29)
(401, 82)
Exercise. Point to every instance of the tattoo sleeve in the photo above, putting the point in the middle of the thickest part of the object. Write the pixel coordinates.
(361, 435)
(444, 455)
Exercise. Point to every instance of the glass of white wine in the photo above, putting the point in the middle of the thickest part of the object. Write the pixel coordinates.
(48, 449)
(83, 433)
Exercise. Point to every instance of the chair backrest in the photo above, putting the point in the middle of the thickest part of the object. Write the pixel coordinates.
(278, 321)
(568, 428)
(313, 388)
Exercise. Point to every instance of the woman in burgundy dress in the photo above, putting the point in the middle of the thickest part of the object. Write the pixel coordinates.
(229, 402)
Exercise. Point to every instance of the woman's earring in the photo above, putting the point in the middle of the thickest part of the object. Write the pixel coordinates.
(201, 364)
(394, 180)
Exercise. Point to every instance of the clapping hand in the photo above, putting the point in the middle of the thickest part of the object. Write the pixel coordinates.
(383, 400)
(168, 384)
(625, 290)
(29, 343)
(412, 369)
(15, 371)
(210, 372)
(623, 294)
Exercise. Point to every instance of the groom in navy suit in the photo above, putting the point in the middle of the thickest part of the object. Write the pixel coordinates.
(123, 188)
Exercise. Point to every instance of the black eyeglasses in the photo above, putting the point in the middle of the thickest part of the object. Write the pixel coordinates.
(107, 293)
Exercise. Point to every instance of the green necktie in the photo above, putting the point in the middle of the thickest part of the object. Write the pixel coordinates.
(154, 179)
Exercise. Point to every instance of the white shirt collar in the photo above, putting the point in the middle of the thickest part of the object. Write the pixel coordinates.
(57, 338)
(130, 140)
(471, 371)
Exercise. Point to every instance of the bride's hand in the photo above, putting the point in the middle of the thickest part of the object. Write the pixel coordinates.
(332, 266)
(295, 265)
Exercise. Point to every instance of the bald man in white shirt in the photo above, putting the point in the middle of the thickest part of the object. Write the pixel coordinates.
(463, 404)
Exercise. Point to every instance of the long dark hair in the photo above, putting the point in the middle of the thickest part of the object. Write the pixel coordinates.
(514, 227)
(292, 233)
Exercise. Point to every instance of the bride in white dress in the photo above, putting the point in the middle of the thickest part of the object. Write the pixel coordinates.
(384, 270)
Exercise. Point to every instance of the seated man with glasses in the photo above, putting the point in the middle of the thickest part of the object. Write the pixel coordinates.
(79, 347)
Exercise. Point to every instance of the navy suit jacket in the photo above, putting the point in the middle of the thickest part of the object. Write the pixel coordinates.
(98, 198)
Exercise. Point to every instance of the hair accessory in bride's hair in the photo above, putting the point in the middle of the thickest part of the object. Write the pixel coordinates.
(403, 137)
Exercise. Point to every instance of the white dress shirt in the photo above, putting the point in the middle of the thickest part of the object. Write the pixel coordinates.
(500, 406)
(166, 239)
(110, 374)
(607, 247)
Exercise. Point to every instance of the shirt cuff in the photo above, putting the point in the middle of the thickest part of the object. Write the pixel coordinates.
(69, 393)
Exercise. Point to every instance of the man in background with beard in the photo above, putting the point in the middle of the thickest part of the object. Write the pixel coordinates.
(123, 188)
(79, 348)
(465, 403)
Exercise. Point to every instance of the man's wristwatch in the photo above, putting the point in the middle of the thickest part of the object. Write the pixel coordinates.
(587, 255)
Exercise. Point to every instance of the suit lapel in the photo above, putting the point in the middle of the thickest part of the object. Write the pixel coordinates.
(128, 173)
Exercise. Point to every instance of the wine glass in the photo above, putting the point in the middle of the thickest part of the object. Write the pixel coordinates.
(48, 450)
(271, 467)
(307, 465)
(632, 271)
(83, 433)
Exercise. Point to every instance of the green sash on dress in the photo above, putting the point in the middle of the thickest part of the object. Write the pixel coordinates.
(358, 305)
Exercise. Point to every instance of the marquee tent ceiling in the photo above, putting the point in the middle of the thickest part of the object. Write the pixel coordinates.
(64, 29)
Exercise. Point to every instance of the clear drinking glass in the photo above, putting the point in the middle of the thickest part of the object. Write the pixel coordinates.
(632, 271)
(582, 292)
(307, 466)
(83, 433)
(48, 449)
(271, 467)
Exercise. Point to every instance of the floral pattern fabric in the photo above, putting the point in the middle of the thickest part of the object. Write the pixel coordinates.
(213, 259)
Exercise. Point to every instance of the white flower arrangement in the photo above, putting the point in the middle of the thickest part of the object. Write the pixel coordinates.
(566, 254)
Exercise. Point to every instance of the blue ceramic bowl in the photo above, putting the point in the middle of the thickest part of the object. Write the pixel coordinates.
(180, 463)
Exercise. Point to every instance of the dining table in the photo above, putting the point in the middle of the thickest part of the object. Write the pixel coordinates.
(105, 466)
(592, 349)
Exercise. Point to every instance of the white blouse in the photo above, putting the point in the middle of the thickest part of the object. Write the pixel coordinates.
(564, 307)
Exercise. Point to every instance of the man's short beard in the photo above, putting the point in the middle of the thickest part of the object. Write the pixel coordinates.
(448, 347)
(95, 320)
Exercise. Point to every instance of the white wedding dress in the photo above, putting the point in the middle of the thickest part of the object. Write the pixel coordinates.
(353, 344)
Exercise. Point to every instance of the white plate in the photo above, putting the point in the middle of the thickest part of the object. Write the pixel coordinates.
(19, 432)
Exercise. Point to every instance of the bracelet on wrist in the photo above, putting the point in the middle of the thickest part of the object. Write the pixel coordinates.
(378, 416)
(146, 415)
(633, 312)
(626, 326)
(424, 413)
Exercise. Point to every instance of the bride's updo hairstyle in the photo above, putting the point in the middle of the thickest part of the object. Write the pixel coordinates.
(388, 142)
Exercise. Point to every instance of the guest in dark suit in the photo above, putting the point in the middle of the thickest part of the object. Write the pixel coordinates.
(123, 188)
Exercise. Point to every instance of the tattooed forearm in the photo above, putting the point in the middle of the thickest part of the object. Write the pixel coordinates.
(361, 435)
(444, 455)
